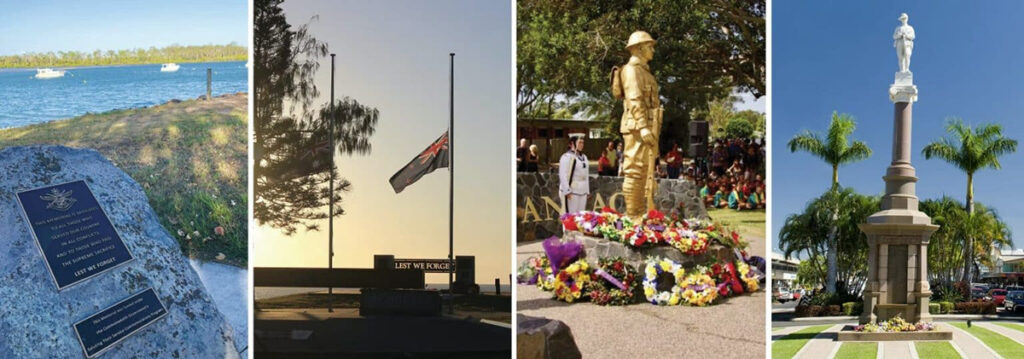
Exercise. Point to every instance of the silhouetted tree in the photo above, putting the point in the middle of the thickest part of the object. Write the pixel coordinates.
(289, 125)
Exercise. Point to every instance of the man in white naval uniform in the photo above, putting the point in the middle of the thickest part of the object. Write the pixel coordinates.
(574, 177)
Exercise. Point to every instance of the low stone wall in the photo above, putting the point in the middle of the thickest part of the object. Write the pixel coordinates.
(538, 205)
(594, 248)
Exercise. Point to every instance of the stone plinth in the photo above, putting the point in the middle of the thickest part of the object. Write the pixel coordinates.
(848, 335)
(538, 206)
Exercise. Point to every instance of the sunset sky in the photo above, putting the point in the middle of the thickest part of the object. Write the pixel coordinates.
(393, 56)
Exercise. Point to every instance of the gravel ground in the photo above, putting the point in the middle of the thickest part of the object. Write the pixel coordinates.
(734, 328)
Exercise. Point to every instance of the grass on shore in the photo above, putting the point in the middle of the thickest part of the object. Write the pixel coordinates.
(1006, 347)
(746, 223)
(936, 350)
(857, 351)
(190, 157)
(789, 345)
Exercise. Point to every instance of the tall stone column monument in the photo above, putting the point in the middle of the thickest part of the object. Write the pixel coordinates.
(898, 234)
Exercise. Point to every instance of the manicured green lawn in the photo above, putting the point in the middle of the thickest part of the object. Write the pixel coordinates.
(746, 223)
(1014, 326)
(857, 351)
(936, 350)
(788, 346)
(1006, 347)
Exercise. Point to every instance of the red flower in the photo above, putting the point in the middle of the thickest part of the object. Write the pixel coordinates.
(733, 278)
(655, 214)
(617, 266)
(570, 224)
(723, 290)
(607, 209)
(735, 238)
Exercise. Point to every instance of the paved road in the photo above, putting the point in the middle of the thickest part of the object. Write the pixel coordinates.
(732, 329)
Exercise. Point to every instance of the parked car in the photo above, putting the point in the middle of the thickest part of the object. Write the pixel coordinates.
(784, 295)
(978, 293)
(997, 296)
(1014, 300)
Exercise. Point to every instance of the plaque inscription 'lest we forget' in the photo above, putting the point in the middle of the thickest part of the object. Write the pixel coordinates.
(73, 233)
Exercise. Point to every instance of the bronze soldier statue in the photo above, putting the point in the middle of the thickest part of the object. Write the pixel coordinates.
(641, 124)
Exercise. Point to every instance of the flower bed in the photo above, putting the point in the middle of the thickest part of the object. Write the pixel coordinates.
(895, 325)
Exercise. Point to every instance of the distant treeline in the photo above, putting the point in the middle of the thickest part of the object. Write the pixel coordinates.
(152, 55)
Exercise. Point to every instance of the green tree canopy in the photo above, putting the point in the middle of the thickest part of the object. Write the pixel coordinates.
(705, 50)
(739, 127)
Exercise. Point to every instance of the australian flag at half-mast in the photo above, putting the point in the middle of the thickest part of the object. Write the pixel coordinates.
(432, 158)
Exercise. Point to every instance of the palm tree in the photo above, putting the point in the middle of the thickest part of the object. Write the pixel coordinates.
(836, 150)
(971, 150)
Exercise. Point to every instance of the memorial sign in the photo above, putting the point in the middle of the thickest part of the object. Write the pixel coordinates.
(427, 265)
(109, 326)
(74, 235)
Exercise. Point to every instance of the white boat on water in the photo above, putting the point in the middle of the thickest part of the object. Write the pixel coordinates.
(49, 73)
(171, 67)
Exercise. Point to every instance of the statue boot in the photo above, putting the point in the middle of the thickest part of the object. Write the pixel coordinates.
(633, 193)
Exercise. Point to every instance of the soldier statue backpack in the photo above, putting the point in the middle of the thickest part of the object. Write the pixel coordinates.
(616, 78)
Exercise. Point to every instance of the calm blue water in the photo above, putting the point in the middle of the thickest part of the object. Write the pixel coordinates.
(26, 100)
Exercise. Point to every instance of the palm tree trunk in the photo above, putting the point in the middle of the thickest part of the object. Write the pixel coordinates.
(835, 176)
(967, 276)
(832, 256)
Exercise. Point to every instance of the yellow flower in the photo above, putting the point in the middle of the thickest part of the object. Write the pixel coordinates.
(674, 300)
(665, 265)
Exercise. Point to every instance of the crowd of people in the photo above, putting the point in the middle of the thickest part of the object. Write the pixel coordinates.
(731, 175)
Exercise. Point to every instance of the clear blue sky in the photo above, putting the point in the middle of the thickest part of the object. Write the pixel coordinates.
(393, 55)
(838, 56)
(65, 25)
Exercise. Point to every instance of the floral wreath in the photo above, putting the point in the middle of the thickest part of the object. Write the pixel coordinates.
(699, 289)
(545, 277)
(614, 282)
(570, 282)
(661, 281)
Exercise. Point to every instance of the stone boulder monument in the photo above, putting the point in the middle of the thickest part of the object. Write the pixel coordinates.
(898, 234)
(88, 271)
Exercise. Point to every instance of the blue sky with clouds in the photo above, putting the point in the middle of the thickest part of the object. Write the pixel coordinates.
(66, 25)
(838, 56)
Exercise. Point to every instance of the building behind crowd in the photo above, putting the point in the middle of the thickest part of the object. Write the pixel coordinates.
(1007, 269)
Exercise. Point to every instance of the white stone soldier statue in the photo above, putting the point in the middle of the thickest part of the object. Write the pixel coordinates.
(903, 41)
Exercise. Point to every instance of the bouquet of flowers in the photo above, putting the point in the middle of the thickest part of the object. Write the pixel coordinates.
(570, 283)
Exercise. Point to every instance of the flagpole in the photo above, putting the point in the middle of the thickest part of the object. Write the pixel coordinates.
(451, 184)
(330, 211)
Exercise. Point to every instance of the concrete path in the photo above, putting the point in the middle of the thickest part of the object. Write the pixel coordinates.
(821, 345)
(970, 346)
(901, 349)
(776, 335)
